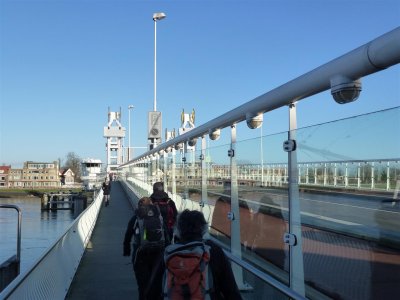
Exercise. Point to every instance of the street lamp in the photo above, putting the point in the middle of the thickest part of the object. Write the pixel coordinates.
(156, 17)
(129, 130)
(155, 117)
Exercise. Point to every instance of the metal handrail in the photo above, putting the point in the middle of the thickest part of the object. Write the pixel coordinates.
(370, 58)
(18, 230)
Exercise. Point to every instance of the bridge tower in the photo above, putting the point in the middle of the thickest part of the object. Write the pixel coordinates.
(187, 124)
(114, 133)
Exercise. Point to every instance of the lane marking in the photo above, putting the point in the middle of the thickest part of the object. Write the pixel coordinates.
(341, 204)
(330, 219)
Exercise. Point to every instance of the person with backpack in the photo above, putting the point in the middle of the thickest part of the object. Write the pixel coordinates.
(167, 207)
(196, 268)
(148, 231)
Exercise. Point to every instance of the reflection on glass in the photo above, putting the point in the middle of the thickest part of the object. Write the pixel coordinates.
(350, 219)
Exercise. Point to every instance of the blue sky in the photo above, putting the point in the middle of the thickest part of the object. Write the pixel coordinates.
(64, 63)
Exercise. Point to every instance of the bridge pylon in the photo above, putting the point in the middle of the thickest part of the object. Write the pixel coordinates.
(114, 132)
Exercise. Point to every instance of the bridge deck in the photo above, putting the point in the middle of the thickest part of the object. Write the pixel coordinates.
(103, 272)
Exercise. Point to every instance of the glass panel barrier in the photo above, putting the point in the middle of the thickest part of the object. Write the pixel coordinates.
(263, 198)
(261, 289)
(350, 226)
(348, 195)
(218, 192)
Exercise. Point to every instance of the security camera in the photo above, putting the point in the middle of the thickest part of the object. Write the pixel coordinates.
(345, 90)
(178, 146)
(254, 120)
(192, 142)
(214, 134)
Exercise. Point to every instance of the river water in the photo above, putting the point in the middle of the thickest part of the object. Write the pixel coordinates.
(39, 230)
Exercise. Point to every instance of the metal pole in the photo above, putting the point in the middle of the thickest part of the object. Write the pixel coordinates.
(155, 65)
(129, 146)
(296, 254)
(262, 155)
(234, 215)
(129, 131)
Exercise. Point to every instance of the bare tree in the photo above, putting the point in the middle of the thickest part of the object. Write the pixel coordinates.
(73, 162)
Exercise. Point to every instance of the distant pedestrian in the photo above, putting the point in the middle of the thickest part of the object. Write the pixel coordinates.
(187, 261)
(148, 231)
(167, 207)
(106, 187)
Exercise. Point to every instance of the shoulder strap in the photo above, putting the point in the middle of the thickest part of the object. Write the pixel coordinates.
(164, 223)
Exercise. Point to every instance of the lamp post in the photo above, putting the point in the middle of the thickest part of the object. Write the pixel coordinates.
(156, 17)
(129, 131)
(155, 117)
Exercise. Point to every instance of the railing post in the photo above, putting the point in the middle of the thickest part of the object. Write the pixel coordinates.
(165, 160)
(173, 173)
(185, 173)
(203, 172)
(335, 175)
(307, 175)
(372, 175)
(388, 176)
(315, 174)
(235, 210)
(296, 254)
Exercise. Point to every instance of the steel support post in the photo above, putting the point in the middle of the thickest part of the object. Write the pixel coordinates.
(296, 253)
(165, 160)
(234, 215)
(204, 199)
(185, 173)
(173, 173)
(372, 175)
(388, 176)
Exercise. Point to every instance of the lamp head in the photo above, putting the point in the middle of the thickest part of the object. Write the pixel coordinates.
(158, 16)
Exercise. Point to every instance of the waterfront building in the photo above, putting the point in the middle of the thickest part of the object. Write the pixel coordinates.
(92, 175)
(4, 171)
(35, 175)
(67, 177)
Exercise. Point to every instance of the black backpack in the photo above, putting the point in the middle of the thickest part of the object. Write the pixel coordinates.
(149, 226)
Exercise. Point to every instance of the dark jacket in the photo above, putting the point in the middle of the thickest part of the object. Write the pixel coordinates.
(129, 233)
(106, 188)
(145, 265)
(160, 196)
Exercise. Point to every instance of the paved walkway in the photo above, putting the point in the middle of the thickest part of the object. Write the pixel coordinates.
(103, 272)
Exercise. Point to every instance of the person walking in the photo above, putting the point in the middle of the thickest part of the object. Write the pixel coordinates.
(185, 261)
(148, 232)
(167, 207)
(106, 187)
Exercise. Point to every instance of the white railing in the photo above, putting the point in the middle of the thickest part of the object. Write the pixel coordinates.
(52, 274)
